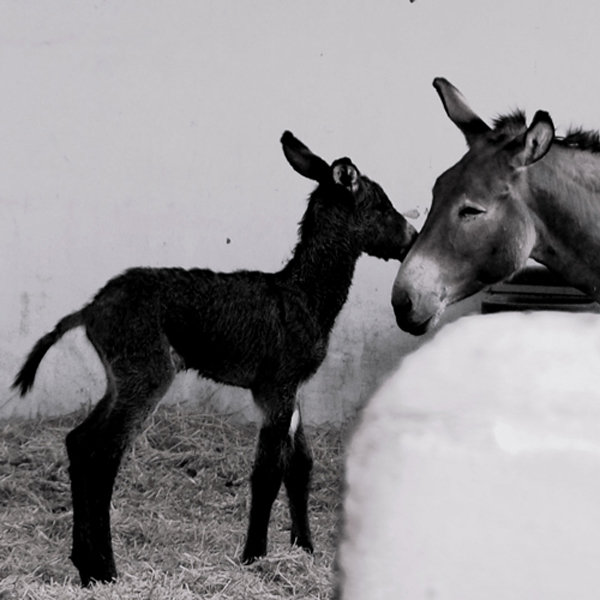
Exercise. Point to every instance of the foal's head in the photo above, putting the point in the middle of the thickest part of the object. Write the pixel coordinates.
(370, 217)
(479, 229)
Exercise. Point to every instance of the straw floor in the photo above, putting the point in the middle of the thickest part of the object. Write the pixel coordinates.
(179, 514)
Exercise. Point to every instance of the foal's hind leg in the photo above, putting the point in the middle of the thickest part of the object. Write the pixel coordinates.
(269, 466)
(95, 449)
(296, 478)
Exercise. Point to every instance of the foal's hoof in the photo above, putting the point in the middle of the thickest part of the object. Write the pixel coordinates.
(251, 555)
(251, 558)
(88, 581)
(303, 542)
(92, 576)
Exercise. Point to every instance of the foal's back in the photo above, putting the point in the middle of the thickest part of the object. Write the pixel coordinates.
(235, 328)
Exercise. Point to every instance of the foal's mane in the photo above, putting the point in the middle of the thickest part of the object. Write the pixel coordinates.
(577, 138)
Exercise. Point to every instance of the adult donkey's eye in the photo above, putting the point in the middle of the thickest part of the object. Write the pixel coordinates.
(469, 211)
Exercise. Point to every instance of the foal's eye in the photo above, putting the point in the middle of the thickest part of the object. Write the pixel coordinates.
(470, 211)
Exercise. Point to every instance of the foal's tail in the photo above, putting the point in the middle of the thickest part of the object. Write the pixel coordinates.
(25, 377)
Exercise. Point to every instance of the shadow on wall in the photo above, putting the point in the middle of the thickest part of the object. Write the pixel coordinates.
(362, 352)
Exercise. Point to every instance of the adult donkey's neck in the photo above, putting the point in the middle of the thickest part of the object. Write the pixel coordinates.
(565, 202)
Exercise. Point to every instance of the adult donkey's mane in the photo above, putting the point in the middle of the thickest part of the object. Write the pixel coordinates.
(510, 124)
(581, 139)
(577, 138)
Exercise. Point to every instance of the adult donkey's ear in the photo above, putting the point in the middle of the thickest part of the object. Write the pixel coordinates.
(539, 137)
(532, 145)
(460, 113)
(303, 161)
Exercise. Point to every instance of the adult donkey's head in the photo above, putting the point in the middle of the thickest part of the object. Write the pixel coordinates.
(479, 229)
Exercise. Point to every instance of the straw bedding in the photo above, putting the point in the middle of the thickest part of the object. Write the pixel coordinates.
(179, 514)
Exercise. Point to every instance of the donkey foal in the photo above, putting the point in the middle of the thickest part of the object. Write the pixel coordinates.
(267, 332)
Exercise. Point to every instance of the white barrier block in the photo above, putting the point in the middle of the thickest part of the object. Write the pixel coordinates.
(475, 471)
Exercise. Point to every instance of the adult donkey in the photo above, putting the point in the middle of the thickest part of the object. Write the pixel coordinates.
(267, 332)
(519, 192)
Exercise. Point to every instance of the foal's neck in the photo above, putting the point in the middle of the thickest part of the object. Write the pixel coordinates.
(321, 269)
(566, 208)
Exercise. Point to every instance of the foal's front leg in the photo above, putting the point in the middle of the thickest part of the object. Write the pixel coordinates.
(296, 478)
(269, 465)
(264, 484)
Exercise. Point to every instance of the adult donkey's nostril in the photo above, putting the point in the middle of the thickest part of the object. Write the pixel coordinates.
(402, 304)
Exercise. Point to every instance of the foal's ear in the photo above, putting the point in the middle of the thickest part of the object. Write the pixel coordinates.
(535, 142)
(302, 160)
(460, 113)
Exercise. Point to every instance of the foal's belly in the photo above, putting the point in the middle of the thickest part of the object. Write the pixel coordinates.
(251, 363)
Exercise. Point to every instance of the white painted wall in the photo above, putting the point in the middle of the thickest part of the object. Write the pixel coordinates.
(147, 133)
